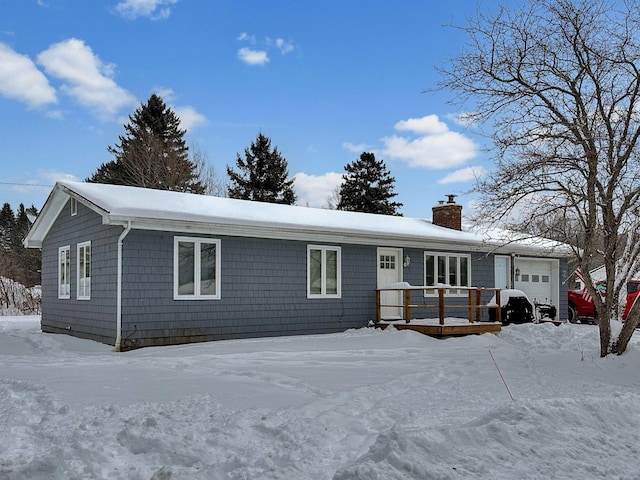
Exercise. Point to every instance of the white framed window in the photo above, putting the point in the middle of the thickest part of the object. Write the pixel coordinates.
(196, 268)
(447, 269)
(73, 203)
(84, 271)
(64, 272)
(387, 262)
(324, 271)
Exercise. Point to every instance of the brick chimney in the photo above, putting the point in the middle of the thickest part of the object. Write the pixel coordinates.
(448, 214)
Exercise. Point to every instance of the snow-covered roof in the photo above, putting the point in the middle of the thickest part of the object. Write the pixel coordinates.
(149, 209)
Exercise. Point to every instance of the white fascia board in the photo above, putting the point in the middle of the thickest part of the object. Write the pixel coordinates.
(51, 211)
(276, 233)
(45, 219)
(312, 235)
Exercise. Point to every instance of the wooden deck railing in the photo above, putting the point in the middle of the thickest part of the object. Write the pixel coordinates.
(474, 304)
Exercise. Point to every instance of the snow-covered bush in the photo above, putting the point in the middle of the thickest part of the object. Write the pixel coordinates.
(16, 299)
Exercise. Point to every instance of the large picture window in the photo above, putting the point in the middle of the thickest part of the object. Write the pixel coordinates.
(64, 272)
(196, 268)
(84, 271)
(324, 276)
(447, 269)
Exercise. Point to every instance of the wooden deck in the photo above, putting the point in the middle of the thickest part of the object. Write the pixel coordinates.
(439, 331)
(438, 301)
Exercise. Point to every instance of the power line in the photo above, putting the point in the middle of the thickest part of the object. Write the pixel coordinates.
(25, 184)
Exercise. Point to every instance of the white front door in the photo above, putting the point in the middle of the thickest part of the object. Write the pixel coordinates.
(389, 272)
(502, 271)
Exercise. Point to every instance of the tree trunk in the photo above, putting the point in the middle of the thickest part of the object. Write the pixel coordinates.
(604, 324)
(620, 345)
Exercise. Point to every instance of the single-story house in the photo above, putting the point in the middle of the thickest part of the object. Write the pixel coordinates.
(134, 267)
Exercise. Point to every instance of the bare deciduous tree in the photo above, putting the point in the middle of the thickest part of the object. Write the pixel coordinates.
(560, 82)
(333, 199)
(206, 173)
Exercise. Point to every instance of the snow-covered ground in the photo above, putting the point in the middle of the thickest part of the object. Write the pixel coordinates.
(364, 404)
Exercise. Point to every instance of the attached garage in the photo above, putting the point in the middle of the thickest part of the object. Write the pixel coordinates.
(538, 278)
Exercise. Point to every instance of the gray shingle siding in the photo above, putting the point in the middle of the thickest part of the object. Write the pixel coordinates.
(263, 292)
(94, 318)
(263, 287)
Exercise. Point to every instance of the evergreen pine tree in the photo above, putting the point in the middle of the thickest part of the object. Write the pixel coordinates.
(28, 260)
(17, 262)
(152, 153)
(7, 227)
(262, 176)
(368, 187)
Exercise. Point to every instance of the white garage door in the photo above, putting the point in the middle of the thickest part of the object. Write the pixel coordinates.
(538, 279)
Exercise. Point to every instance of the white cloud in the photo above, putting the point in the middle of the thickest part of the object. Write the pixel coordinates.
(313, 190)
(86, 78)
(167, 94)
(429, 125)
(253, 57)
(244, 36)
(21, 80)
(357, 148)
(260, 56)
(54, 114)
(284, 46)
(154, 9)
(434, 146)
(463, 175)
(52, 176)
(189, 117)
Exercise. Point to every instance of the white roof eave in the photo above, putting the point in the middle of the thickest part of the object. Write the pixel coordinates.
(288, 232)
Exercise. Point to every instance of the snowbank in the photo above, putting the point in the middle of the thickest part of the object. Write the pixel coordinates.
(363, 404)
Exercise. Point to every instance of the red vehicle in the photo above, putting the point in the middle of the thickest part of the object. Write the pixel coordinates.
(582, 309)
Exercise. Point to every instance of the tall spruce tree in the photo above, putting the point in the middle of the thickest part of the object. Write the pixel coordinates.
(152, 153)
(29, 260)
(17, 262)
(368, 187)
(7, 227)
(262, 175)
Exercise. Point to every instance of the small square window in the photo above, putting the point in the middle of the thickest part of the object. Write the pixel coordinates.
(387, 262)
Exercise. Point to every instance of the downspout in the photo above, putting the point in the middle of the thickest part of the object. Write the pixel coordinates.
(125, 232)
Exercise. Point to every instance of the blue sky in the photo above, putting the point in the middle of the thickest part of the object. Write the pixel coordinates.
(325, 80)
